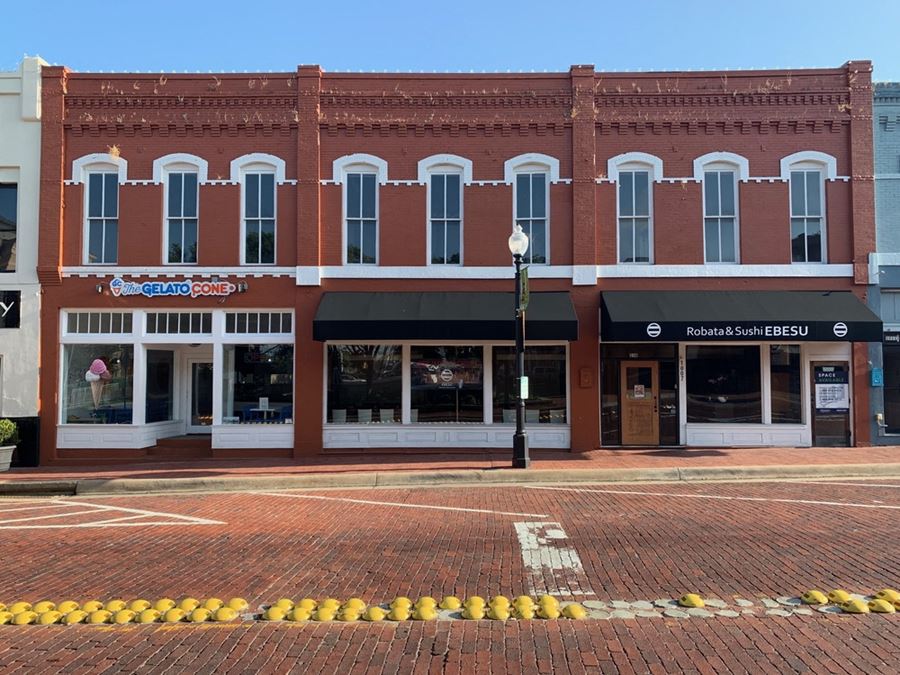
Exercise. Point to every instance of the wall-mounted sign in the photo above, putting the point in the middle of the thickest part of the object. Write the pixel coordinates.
(832, 389)
(10, 309)
(185, 288)
(891, 338)
(876, 377)
(758, 331)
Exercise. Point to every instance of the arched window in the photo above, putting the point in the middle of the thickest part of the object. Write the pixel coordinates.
(101, 173)
(445, 176)
(531, 175)
(258, 175)
(360, 175)
(719, 173)
(634, 173)
(806, 172)
(181, 175)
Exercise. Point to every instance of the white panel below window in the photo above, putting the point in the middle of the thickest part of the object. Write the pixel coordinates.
(441, 436)
(253, 436)
(737, 435)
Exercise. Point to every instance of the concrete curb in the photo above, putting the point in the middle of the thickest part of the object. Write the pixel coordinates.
(375, 479)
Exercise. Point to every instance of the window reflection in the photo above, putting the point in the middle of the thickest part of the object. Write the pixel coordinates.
(447, 384)
(259, 384)
(545, 368)
(723, 384)
(98, 384)
(364, 384)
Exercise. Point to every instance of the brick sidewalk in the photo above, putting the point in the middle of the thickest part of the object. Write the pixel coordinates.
(435, 461)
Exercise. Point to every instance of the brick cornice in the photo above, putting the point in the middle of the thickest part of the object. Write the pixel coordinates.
(465, 101)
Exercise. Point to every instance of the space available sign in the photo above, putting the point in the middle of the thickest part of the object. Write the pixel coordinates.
(754, 331)
(832, 389)
(186, 288)
(10, 309)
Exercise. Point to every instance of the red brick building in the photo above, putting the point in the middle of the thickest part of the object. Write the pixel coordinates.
(288, 262)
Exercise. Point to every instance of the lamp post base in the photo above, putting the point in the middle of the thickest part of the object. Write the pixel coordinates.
(521, 459)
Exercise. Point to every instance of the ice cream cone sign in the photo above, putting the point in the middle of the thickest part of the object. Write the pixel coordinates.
(97, 375)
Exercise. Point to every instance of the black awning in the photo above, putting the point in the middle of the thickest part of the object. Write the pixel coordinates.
(756, 316)
(441, 316)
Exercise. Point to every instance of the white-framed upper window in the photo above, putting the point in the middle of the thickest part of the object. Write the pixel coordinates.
(102, 226)
(360, 176)
(258, 175)
(720, 214)
(181, 176)
(445, 177)
(101, 173)
(806, 172)
(719, 173)
(634, 174)
(445, 217)
(182, 204)
(531, 175)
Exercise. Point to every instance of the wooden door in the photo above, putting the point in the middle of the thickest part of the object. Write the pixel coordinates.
(640, 402)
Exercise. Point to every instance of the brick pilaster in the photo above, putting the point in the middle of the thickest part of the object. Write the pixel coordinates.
(862, 185)
(53, 154)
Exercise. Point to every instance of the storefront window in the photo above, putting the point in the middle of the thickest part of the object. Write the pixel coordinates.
(723, 384)
(545, 368)
(785, 373)
(364, 384)
(98, 381)
(891, 357)
(447, 385)
(259, 384)
(160, 385)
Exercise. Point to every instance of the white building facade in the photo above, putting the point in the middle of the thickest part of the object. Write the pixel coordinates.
(20, 162)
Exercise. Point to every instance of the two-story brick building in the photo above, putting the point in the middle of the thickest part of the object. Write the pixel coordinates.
(292, 262)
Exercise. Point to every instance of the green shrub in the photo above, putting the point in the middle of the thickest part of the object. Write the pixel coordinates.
(8, 432)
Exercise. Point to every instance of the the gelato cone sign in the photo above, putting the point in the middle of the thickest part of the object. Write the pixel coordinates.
(184, 288)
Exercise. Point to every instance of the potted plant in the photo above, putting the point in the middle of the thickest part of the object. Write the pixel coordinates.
(9, 436)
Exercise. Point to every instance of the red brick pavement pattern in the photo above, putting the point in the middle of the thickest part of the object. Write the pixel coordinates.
(835, 644)
(649, 458)
(632, 547)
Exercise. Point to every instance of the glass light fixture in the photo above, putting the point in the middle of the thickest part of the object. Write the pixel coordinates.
(518, 241)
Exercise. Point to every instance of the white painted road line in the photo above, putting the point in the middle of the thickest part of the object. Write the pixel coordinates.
(401, 505)
(53, 515)
(32, 508)
(111, 523)
(104, 507)
(102, 510)
(638, 493)
(553, 568)
(829, 482)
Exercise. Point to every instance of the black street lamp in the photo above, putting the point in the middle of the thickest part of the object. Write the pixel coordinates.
(518, 244)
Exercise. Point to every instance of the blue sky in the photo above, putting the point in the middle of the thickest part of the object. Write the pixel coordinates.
(463, 35)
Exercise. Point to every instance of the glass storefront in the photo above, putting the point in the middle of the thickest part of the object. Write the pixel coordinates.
(160, 385)
(545, 368)
(447, 384)
(723, 384)
(612, 355)
(98, 384)
(364, 384)
(784, 369)
(891, 361)
(259, 384)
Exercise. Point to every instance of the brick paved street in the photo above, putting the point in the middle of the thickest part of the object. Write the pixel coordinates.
(622, 542)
